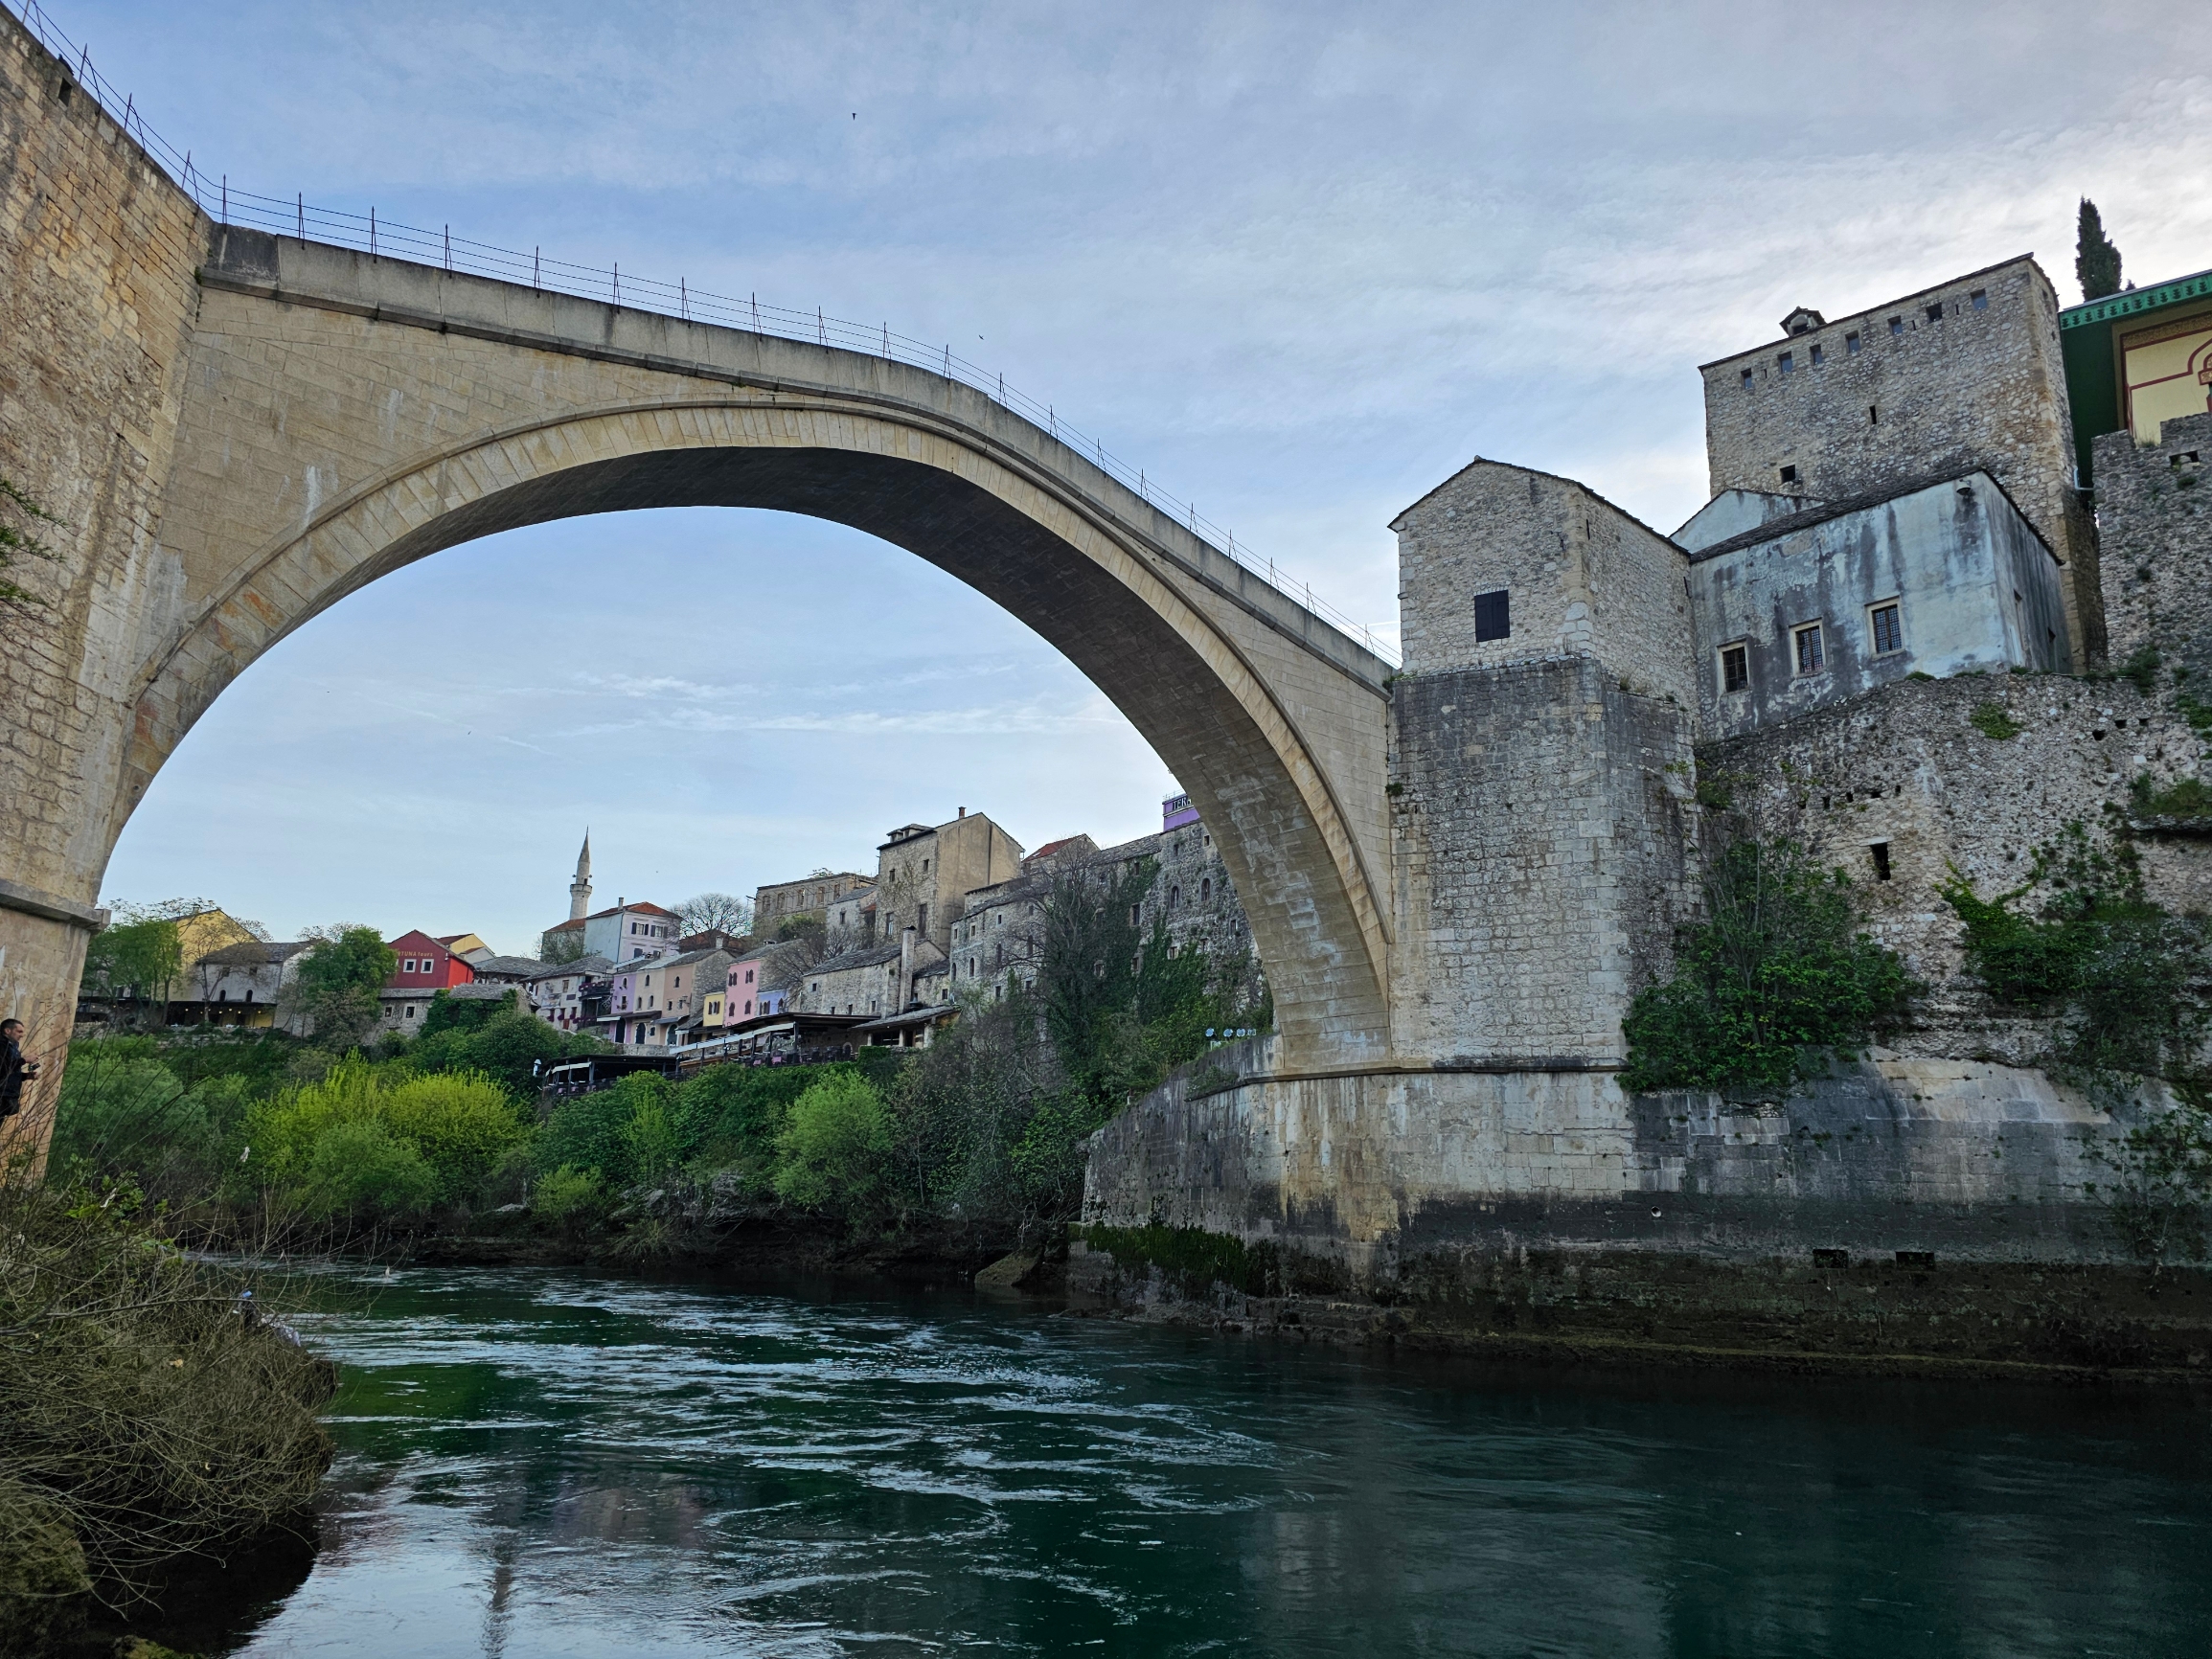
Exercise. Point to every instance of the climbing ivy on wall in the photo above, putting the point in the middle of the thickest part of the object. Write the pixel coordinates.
(1774, 981)
(2081, 942)
(2095, 953)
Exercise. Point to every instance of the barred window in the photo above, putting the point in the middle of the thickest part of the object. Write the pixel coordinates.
(1888, 632)
(1811, 658)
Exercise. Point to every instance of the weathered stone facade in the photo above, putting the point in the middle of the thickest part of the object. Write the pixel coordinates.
(924, 876)
(2155, 517)
(97, 250)
(1964, 374)
(1581, 577)
(1538, 780)
(863, 981)
(1826, 604)
(780, 903)
(1907, 770)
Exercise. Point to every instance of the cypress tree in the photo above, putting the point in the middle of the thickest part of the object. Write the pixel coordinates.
(2096, 262)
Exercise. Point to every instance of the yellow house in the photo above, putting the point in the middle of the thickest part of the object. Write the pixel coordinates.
(206, 930)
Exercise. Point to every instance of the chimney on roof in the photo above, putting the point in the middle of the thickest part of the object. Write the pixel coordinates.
(964, 811)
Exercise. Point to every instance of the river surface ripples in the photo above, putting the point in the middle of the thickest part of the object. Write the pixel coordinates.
(541, 1463)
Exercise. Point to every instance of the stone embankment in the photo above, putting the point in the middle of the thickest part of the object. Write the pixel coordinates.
(1829, 1311)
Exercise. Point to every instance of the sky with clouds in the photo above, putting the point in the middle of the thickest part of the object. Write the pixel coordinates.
(1300, 262)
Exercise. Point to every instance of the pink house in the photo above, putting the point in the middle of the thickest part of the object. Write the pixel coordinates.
(748, 998)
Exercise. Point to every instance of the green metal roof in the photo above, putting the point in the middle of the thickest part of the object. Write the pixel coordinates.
(2127, 305)
(2088, 347)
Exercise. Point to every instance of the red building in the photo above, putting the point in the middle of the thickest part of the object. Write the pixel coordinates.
(426, 966)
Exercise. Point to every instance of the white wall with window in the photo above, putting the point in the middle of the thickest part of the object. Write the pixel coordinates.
(1798, 611)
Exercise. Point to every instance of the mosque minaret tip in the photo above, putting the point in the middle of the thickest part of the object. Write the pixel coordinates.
(580, 889)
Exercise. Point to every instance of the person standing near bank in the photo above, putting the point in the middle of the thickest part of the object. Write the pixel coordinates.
(14, 1070)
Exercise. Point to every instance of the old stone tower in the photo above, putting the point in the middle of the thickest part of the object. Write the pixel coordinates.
(1895, 565)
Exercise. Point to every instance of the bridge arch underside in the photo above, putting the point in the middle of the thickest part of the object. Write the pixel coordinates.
(1183, 682)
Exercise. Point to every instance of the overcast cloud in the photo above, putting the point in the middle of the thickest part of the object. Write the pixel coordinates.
(1300, 263)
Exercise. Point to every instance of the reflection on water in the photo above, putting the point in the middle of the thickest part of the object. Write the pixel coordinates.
(547, 1464)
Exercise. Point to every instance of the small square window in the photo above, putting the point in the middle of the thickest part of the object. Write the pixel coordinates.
(1887, 629)
(1818, 357)
(1735, 668)
(1851, 345)
(1936, 313)
(1790, 475)
(1812, 659)
(1979, 299)
(1897, 325)
(1746, 379)
(1493, 616)
(1786, 363)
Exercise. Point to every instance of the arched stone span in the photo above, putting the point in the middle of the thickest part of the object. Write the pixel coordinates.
(343, 417)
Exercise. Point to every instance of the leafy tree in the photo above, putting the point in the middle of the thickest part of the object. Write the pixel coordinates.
(559, 948)
(650, 1138)
(1774, 981)
(2096, 261)
(340, 973)
(835, 1146)
(961, 1106)
(2163, 1188)
(447, 1013)
(141, 958)
(20, 541)
(725, 912)
(1088, 973)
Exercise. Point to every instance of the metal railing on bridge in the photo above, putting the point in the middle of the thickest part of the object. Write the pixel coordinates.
(297, 216)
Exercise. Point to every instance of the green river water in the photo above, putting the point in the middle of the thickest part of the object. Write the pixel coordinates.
(539, 1463)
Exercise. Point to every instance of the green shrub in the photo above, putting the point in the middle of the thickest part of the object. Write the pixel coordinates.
(835, 1148)
(2141, 669)
(281, 1134)
(729, 1116)
(593, 1131)
(358, 1170)
(1993, 720)
(461, 1123)
(2113, 967)
(568, 1196)
(124, 1112)
(2183, 798)
(1773, 982)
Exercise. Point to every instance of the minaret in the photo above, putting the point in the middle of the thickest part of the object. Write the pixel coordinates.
(580, 889)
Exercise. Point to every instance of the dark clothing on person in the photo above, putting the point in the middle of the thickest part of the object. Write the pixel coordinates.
(12, 1074)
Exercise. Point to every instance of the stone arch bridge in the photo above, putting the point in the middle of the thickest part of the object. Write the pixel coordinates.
(239, 430)
(1447, 871)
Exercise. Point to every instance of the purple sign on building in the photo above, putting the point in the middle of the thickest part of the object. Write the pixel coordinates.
(1175, 811)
